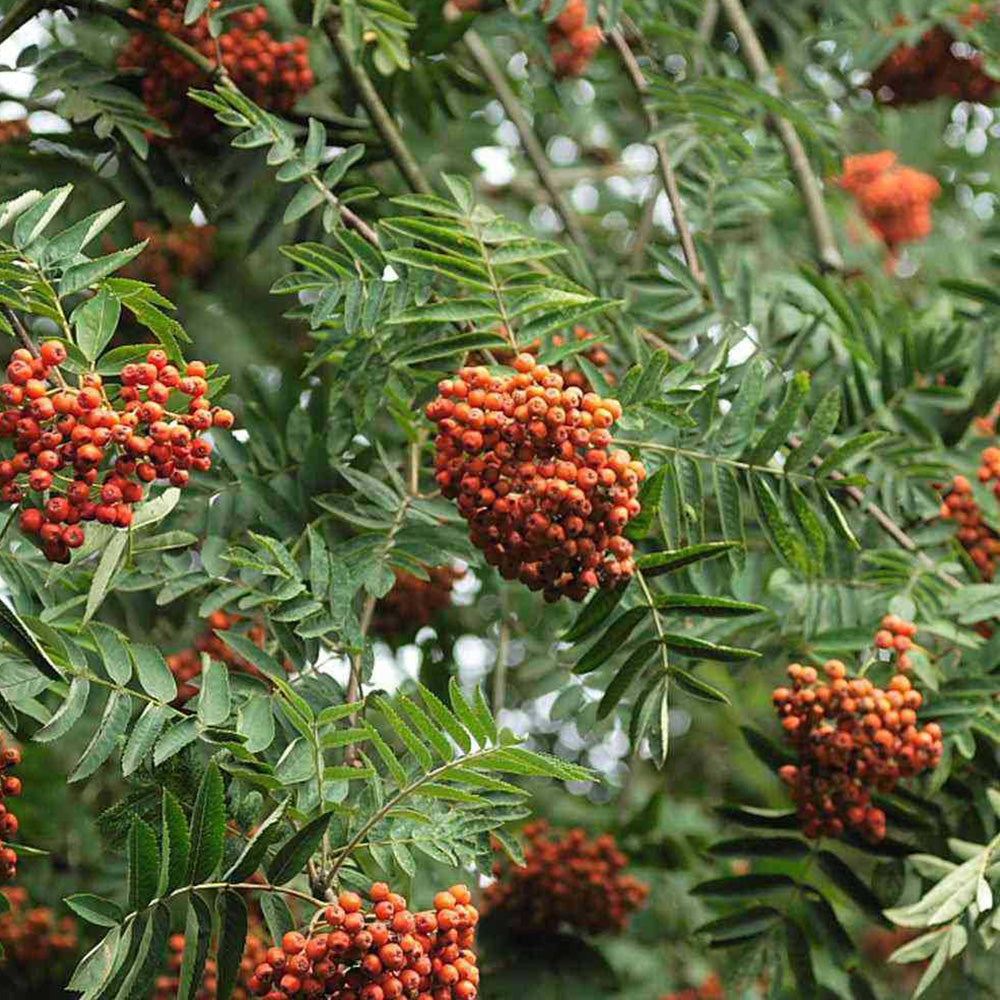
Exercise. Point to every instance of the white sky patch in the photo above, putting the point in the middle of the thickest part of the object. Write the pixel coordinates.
(495, 163)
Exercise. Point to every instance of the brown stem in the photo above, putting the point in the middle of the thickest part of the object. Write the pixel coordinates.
(809, 186)
(532, 146)
(377, 111)
(667, 174)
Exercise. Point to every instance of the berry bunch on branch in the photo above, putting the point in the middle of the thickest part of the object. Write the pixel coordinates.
(377, 952)
(180, 252)
(571, 880)
(254, 953)
(36, 944)
(935, 67)
(186, 665)
(413, 603)
(894, 200)
(10, 788)
(15, 130)
(272, 74)
(86, 452)
(529, 461)
(852, 739)
(959, 505)
(573, 41)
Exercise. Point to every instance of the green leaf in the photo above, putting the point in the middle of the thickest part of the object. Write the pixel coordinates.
(706, 607)
(405, 733)
(208, 827)
(232, 912)
(214, 700)
(277, 916)
(428, 730)
(693, 685)
(739, 423)
(844, 878)
(800, 959)
(175, 739)
(611, 641)
(785, 542)
(80, 276)
(784, 421)
(594, 613)
(67, 244)
(113, 653)
(760, 847)
(657, 563)
(751, 921)
(32, 222)
(197, 938)
(250, 858)
(465, 713)
(143, 864)
(851, 449)
(69, 713)
(154, 674)
(95, 322)
(145, 733)
(16, 633)
(291, 856)
(744, 885)
(650, 498)
(625, 676)
(703, 650)
(95, 909)
(444, 718)
(821, 427)
(727, 496)
(110, 729)
(105, 573)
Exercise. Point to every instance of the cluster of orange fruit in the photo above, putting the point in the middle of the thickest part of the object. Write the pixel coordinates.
(934, 67)
(959, 505)
(186, 665)
(853, 738)
(10, 787)
(381, 952)
(14, 130)
(570, 880)
(894, 200)
(573, 41)
(272, 74)
(254, 952)
(172, 253)
(529, 461)
(36, 944)
(412, 603)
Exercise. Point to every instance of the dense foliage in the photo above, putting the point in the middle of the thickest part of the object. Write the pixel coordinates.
(546, 449)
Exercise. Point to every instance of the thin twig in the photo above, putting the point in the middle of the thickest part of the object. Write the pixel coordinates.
(706, 28)
(19, 329)
(377, 111)
(532, 146)
(667, 175)
(809, 186)
(354, 682)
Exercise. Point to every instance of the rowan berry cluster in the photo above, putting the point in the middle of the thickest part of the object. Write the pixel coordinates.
(413, 603)
(186, 665)
(852, 738)
(378, 953)
(32, 936)
(254, 953)
(272, 74)
(10, 788)
(935, 67)
(710, 989)
(896, 635)
(596, 355)
(529, 461)
(14, 130)
(573, 41)
(894, 200)
(572, 881)
(64, 437)
(177, 252)
(959, 505)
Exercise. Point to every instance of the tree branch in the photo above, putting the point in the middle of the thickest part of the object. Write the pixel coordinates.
(667, 174)
(377, 111)
(532, 147)
(809, 186)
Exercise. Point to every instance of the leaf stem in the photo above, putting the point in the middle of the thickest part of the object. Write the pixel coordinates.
(532, 146)
(667, 175)
(809, 186)
(377, 111)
